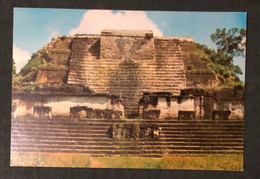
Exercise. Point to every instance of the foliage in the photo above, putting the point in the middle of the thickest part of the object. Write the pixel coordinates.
(34, 63)
(194, 57)
(41, 59)
(55, 50)
(222, 65)
(197, 162)
(230, 42)
(54, 66)
(49, 159)
(190, 67)
(31, 86)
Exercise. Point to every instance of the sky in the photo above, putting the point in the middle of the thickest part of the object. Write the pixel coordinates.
(34, 27)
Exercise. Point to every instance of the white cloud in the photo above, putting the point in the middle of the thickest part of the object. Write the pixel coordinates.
(95, 20)
(20, 57)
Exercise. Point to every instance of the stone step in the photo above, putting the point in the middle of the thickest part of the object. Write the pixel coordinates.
(104, 132)
(167, 54)
(106, 145)
(146, 140)
(181, 132)
(59, 130)
(39, 133)
(124, 152)
(126, 147)
(70, 121)
(144, 155)
(61, 126)
(141, 141)
(82, 133)
(163, 124)
(105, 136)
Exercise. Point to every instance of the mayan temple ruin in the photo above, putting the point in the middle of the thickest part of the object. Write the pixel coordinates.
(124, 84)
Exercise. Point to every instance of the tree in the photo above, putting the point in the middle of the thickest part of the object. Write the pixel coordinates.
(230, 43)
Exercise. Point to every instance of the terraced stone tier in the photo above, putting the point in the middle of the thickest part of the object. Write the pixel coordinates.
(91, 136)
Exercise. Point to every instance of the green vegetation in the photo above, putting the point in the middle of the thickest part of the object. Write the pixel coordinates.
(34, 63)
(190, 67)
(197, 58)
(45, 59)
(31, 86)
(50, 159)
(200, 58)
(227, 74)
(129, 162)
(52, 66)
(230, 44)
(55, 50)
(196, 162)
(42, 59)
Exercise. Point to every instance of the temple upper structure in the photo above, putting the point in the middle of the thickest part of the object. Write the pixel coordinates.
(130, 71)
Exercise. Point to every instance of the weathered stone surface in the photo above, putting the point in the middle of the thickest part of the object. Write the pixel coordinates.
(201, 79)
(58, 56)
(151, 114)
(193, 104)
(42, 111)
(78, 111)
(117, 130)
(134, 131)
(98, 105)
(111, 114)
(129, 65)
(186, 115)
(197, 69)
(221, 115)
(51, 76)
(127, 33)
(86, 112)
(59, 43)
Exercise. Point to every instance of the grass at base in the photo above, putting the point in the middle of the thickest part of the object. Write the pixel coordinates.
(49, 159)
(231, 162)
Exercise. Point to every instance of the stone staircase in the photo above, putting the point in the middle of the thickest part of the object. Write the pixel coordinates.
(84, 62)
(170, 67)
(91, 136)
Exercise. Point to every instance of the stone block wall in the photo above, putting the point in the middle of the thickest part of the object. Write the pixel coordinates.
(60, 105)
(42, 111)
(83, 62)
(201, 79)
(196, 104)
(167, 109)
(127, 64)
(51, 76)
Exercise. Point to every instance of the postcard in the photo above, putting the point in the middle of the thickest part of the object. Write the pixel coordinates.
(128, 89)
